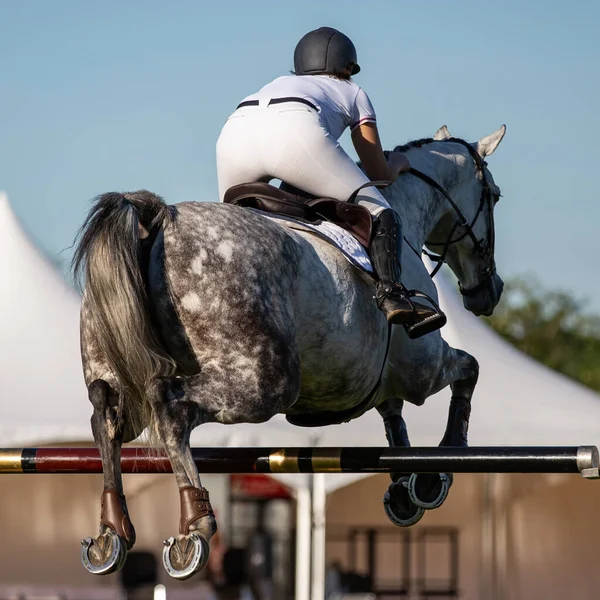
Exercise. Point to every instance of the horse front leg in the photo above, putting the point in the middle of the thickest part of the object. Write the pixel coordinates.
(457, 428)
(430, 490)
(175, 417)
(107, 553)
(397, 503)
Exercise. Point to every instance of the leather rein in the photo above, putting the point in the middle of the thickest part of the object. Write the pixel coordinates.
(480, 246)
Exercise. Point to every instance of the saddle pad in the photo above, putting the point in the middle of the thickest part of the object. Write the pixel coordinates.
(343, 240)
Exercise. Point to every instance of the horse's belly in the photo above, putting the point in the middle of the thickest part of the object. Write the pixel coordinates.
(340, 333)
(334, 385)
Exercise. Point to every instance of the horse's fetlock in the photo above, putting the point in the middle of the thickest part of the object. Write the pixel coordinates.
(115, 516)
(206, 527)
(196, 512)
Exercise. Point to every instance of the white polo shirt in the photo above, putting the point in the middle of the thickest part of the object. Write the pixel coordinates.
(340, 103)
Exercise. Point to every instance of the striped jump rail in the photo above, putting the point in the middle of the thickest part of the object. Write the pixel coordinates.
(489, 459)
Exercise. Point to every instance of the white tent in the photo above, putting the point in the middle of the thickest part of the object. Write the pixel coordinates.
(44, 400)
(41, 383)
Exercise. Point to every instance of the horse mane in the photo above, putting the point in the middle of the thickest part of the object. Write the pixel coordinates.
(417, 144)
(414, 144)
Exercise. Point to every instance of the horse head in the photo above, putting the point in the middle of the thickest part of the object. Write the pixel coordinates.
(464, 234)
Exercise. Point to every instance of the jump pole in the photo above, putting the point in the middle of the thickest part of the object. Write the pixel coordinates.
(484, 459)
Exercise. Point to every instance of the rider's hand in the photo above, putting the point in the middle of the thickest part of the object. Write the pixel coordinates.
(398, 164)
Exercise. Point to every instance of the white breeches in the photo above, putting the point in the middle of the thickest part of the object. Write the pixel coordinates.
(287, 142)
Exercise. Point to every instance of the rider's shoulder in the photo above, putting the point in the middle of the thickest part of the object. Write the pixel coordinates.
(362, 94)
(279, 80)
(347, 86)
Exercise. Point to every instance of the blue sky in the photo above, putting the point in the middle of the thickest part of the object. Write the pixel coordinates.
(123, 95)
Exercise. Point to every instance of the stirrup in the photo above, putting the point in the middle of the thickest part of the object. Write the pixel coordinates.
(428, 324)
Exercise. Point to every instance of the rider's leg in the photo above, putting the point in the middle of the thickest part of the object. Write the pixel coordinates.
(238, 151)
(392, 297)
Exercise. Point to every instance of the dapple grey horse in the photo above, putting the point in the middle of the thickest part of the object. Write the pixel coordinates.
(205, 312)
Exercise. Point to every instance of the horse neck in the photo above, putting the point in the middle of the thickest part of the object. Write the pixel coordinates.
(418, 204)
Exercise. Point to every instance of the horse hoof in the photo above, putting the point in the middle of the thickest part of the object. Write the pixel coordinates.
(105, 554)
(186, 555)
(429, 490)
(398, 506)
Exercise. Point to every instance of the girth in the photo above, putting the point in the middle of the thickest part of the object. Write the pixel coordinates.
(268, 198)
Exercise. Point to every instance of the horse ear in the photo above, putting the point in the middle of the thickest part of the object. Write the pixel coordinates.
(486, 146)
(442, 134)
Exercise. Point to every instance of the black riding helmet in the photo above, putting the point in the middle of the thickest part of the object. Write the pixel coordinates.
(324, 50)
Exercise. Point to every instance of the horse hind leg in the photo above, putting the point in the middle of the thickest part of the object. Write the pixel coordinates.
(107, 553)
(397, 503)
(175, 417)
(181, 404)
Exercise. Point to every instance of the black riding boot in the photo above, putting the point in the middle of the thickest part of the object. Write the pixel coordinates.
(391, 296)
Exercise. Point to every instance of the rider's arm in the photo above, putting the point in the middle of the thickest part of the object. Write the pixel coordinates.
(367, 144)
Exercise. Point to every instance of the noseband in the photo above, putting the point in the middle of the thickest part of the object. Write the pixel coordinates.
(484, 248)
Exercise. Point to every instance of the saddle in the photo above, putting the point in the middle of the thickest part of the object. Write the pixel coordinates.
(268, 198)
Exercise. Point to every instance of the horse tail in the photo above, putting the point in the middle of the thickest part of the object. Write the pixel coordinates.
(108, 253)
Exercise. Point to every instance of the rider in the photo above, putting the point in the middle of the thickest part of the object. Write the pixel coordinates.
(289, 129)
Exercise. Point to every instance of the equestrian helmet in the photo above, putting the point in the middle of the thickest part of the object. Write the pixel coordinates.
(324, 50)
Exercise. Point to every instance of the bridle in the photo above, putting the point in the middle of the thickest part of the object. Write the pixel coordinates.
(488, 199)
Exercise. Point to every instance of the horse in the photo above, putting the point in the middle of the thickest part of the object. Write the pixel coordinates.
(206, 312)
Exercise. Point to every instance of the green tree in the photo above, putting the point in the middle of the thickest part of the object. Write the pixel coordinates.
(552, 327)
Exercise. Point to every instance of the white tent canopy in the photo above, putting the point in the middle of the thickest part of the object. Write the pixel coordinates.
(42, 394)
(517, 401)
